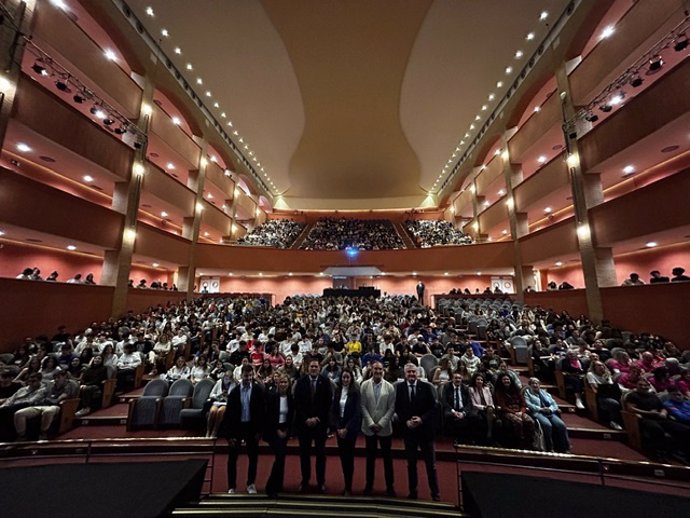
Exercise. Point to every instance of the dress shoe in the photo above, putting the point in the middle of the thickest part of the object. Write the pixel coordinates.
(391, 492)
(231, 491)
(347, 493)
(367, 491)
(322, 488)
(304, 487)
(251, 489)
(412, 495)
(436, 498)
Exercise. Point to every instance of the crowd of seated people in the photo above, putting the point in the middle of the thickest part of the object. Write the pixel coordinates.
(217, 339)
(276, 233)
(427, 233)
(155, 285)
(34, 274)
(656, 277)
(361, 234)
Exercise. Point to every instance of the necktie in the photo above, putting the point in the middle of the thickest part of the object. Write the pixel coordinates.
(313, 387)
(481, 397)
(457, 398)
(412, 392)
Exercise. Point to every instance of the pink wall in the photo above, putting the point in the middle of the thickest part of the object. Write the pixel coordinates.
(645, 261)
(572, 274)
(283, 287)
(15, 257)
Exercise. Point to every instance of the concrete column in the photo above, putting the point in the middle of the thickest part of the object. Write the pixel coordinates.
(117, 263)
(597, 264)
(192, 224)
(512, 173)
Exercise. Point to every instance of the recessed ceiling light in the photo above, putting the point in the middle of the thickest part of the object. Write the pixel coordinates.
(548, 210)
(208, 93)
(216, 105)
(178, 50)
(59, 3)
(2, 232)
(206, 234)
(608, 31)
(23, 148)
(164, 214)
(484, 108)
(509, 70)
(502, 192)
(616, 100)
(499, 84)
(155, 265)
(71, 247)
(170, 165)
(651, 244)
(537, 109)
(530, 36)
(543, 16)
(629, 169)
(165, 33)
(504, 232)
(223, 115)
(487, 203)
(492, 97)
(176, 121)
(542, 159)
(479, 273)
(477, 117)
(189, 66)
(199, 81)
(110, 54)
(88, 178)
(519, 54)
(209, 196)
(149, 11)
(445, 273)
(558, 263)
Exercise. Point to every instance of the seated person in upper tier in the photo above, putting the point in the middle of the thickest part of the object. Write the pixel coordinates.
(657, 278)
(633, 280)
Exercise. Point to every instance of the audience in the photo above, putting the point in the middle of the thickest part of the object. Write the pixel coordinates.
(361, 234)
(427, 233)
(276, 233)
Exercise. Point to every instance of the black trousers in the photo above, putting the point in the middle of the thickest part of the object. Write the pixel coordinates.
(249, 435)
(318, 438)
(413, 443)
(385, 444)
(346, 450)
(274, 484)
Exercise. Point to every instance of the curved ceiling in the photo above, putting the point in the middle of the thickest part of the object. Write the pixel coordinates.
(349, 104)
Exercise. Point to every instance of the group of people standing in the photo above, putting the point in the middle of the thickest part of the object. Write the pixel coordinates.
(313, 407)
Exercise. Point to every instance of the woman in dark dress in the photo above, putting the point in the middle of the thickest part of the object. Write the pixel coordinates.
(346, 417)
(280, 411)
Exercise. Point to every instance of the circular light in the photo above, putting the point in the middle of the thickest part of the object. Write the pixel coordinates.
(509, 70)
(23, 148)
(499, 84)
(155, 265)
(88, 178)
(149, 11)
(110, 55)
(628, 169)
(542, 159)
(607, 32)
(176, 121)
(170, 165)
(530, 36)
(164, 214)
(189, 66)
(165, 33)
(651, 244)
(519, 54)
(548, 210)
(71, 247)
(178, 50)
(559, 263)
(543, 16)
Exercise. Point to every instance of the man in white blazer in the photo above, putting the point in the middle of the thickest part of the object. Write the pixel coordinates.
(378, 406)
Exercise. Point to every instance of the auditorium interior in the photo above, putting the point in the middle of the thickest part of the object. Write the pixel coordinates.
(471, 160)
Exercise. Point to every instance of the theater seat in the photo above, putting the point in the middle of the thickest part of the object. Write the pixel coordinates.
(179, 397)
(144, 410)
(195, 415)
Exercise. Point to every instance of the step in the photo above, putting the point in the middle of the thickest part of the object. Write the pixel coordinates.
(106, 420)
(603, 434)
(316, 505)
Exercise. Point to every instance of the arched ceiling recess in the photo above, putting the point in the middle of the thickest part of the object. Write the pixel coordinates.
(349, 105)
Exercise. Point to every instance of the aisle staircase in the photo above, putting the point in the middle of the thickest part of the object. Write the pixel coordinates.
(239, 505)
(404, 235)
(302, 236)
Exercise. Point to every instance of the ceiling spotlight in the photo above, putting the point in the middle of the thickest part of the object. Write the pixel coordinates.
(178, 50)
(607, 32)
(88, 178)
(149, 11)
(63, 85)
(558, 263)
(655, 64)
(155, 265)
(543, 16)
(628, 169)
(519, 54)
(110, 54)
(164, 214)
(189, 66)
(509, 70)
(504, 232)
(636, 81)
(651, 244)
(39, 68)
(492, 97)
(617, 99)
(170, 165)
(537, 109)
(23, 148)
(681, 43)
(176, 121)
(530, 36)
(165, 33)
(208, 93)
(71, 247)
(548, 210)
(499, 84)
(542, 159)
(199, 81)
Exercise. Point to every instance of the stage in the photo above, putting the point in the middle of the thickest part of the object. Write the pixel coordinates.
(107, 490)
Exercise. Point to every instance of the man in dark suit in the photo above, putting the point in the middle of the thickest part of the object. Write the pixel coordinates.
(420, 291)
(415, 406)
(243, 421)
(460, 416)
(313, 396)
